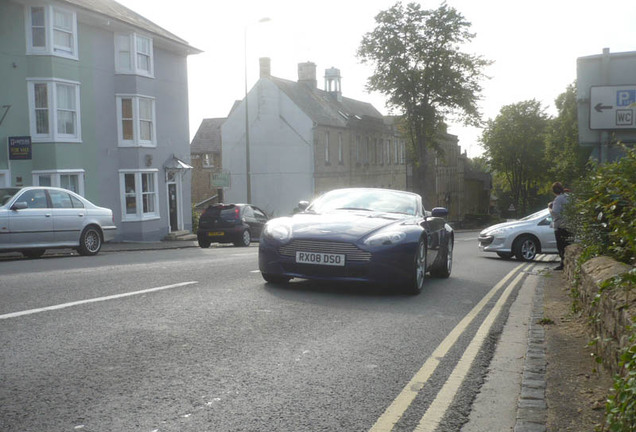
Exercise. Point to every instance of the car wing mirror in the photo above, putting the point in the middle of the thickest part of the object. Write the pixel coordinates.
(302, 205)
(20, 205)
(439, 212)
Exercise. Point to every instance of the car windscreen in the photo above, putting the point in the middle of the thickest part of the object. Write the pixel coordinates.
(384, 201)
(6, 194)
(538, 214)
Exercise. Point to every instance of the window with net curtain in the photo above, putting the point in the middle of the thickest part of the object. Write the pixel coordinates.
(140, 195)
(137, 126)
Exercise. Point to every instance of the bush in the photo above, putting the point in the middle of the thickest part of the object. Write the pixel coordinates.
(603, 218)
(196, 214)
(603, 214)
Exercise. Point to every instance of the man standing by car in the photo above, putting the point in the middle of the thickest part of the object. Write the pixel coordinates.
(561, 233)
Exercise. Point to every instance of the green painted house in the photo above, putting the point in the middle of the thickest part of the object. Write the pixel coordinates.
(94, 98)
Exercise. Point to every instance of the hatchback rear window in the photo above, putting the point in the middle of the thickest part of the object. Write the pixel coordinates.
(224, 212)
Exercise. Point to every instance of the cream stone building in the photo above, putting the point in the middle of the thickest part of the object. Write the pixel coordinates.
(304, 141)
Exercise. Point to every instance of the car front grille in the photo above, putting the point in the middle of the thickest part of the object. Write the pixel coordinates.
(351, 251)
(325, 271)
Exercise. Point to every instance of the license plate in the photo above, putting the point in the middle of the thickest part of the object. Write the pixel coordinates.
(320, 258)
(216, 234)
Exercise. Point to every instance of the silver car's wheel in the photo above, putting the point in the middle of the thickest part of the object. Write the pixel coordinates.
(90, 241)
(419, 269)
(526, 248)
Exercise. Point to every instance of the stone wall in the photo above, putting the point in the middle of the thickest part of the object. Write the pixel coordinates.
(611, 313)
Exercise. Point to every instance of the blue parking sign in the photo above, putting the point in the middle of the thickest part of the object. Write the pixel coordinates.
(625, 97)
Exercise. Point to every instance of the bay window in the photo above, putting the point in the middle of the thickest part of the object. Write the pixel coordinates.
(134, 55)
(139, 197)
(51, 30)
(54, 110)
(71, 179)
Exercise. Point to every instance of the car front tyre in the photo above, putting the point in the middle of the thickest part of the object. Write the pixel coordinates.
(419, 269)
(505, 255)
(526, 248)
(90, 241)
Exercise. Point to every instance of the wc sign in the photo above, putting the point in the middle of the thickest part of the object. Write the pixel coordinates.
(613, 107)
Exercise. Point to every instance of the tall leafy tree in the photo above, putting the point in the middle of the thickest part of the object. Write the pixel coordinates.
(420, 67)
(514, 143)
(567, 158)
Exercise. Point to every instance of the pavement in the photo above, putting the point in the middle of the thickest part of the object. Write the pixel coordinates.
(513, 396)
(186, 242)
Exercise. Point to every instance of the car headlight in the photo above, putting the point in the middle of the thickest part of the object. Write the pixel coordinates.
(279, 230)
(385, 238)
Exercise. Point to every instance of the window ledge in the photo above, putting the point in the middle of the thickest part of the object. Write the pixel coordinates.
(57, 140)
(130, 73)
(142, 219)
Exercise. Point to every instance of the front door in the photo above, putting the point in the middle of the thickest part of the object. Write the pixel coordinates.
(173, 206)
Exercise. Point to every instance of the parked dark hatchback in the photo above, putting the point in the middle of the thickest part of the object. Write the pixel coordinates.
(230, 223)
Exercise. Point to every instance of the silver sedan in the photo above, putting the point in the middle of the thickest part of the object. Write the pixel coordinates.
(33, 219)
(523, 238)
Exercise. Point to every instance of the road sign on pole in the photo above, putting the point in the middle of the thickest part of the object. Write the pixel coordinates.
(220, 180)
(613, 107)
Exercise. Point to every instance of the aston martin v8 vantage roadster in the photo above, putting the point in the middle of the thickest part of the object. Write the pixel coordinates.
(379, 236)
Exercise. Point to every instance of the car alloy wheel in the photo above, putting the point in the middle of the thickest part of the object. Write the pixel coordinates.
(419, 269)
(90, 241)
(526, 248)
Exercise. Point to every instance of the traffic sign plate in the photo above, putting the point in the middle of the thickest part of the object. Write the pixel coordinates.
(613, 107)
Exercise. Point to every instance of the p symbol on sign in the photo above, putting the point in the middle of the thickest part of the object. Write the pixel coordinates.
(625, 97)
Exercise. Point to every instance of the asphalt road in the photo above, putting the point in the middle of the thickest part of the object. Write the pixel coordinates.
(194, 340)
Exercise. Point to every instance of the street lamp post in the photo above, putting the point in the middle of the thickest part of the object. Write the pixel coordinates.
(248, 175)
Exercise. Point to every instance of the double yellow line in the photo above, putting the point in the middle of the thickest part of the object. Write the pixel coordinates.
(435, 412)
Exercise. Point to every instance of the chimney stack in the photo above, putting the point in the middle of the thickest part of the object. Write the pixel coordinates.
(307, 75)
(265, 67)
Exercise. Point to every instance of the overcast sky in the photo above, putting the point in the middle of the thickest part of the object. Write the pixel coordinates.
(534, 45)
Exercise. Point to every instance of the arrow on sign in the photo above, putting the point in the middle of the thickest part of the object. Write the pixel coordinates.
(599, 107)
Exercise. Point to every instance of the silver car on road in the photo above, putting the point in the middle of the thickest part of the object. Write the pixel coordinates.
(523, 238)
(33, 219)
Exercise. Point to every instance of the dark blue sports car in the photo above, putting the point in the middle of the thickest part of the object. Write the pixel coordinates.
(379, 236)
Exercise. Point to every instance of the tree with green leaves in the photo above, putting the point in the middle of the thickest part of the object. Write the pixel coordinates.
(568, 158)
(514, 143)
(420, 67)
